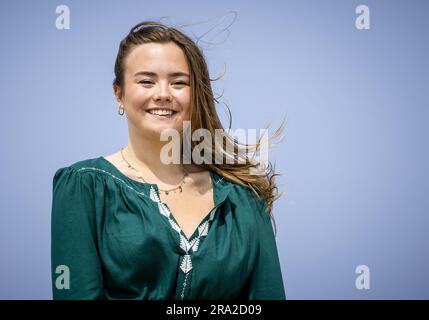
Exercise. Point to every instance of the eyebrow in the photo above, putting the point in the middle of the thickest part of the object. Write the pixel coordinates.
(153, 74)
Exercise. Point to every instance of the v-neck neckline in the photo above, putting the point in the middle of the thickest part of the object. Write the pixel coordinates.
(205, 218)
(219, 195)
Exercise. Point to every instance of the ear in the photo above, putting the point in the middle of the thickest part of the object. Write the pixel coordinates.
(118, 93)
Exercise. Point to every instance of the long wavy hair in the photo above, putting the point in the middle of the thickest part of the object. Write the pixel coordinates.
(244, 170)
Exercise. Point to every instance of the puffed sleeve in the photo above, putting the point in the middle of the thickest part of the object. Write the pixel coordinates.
(75, 263)
(266, 281)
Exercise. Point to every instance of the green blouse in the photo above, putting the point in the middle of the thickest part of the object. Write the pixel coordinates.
(117, 240)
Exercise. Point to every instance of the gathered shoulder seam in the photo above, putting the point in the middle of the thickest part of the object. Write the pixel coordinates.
(120, 180)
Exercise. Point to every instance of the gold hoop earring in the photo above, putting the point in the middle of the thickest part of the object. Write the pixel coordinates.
(121, 110)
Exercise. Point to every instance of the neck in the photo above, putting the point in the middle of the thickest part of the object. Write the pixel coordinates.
(144, 154)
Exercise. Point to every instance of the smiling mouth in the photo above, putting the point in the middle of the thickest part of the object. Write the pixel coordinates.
(163, 113)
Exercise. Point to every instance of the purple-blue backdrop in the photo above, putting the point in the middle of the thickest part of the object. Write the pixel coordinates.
(354, 160)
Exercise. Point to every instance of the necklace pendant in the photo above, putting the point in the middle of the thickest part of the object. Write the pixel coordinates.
(166, 193)
(138, 174)
(180, 189)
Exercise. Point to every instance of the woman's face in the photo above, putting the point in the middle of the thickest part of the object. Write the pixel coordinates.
(156, 94)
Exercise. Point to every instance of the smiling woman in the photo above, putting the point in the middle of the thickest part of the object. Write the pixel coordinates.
(129, 226)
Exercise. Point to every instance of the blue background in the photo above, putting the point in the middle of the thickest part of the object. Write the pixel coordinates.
(355, 155)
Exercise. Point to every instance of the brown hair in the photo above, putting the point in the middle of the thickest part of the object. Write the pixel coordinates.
(203, 109)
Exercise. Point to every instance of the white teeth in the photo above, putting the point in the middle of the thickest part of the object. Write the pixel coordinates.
(161, 112)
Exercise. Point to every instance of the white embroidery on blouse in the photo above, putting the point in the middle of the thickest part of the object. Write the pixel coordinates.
(203, 229)
(184, 286)
(185, 244)
(174, 225)
(186, 265)
(196, 244)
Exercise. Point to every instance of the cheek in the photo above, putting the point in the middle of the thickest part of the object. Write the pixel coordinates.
(136, 96)
(184, 98)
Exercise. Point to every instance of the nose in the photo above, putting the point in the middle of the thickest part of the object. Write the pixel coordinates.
(162, 93)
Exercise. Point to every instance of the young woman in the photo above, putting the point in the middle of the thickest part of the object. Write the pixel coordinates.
(130, 226)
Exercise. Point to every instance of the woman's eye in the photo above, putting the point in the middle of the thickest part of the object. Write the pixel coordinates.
(149, 82)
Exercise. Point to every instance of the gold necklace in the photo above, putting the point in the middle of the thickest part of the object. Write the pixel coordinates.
(140, 176)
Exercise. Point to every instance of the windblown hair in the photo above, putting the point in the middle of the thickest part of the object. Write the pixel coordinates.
(261, 180)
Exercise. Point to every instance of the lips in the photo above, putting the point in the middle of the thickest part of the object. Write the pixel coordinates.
(161, 113)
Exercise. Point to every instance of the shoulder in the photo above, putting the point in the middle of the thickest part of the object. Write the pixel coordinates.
(250, 196)
(77, 169)
(243, 196)
(250, 209)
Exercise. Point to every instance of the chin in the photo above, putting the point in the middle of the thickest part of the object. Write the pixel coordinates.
(155, 131)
